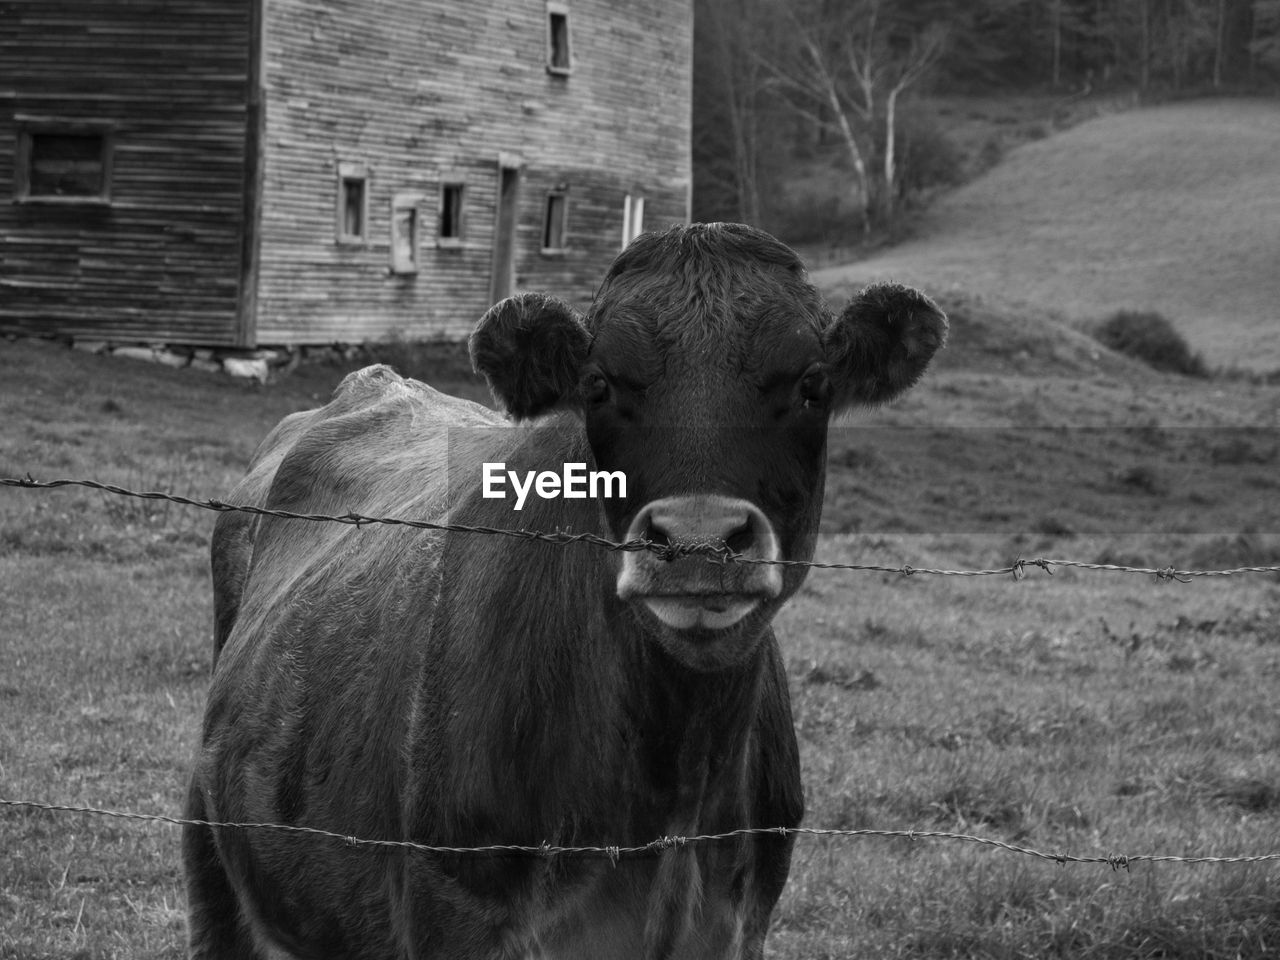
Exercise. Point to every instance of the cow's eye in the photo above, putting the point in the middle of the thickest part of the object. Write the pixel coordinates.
(595, 388)
(815, 389)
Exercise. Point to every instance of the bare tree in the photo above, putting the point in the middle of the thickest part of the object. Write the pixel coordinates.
(850, 64)
(818, 89)
(731, 78)
(1057, 43)
(1264, 46)
(924, 50)
(1219, 41)
(1144, 44)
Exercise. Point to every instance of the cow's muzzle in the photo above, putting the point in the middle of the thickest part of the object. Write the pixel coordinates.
(683, 588)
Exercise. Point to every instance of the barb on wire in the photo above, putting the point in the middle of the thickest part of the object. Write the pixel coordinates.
(615, 852)
(713, 551)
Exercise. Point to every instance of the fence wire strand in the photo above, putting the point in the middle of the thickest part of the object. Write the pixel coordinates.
(614, 853)
(713, 552)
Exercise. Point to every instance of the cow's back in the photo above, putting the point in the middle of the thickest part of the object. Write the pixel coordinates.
(344, 457)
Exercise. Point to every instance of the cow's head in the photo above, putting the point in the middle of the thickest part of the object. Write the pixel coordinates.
(707, 370)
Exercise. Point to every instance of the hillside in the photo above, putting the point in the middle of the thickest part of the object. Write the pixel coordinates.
(1172, 208)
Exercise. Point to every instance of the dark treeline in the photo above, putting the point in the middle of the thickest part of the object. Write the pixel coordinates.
(775, 77)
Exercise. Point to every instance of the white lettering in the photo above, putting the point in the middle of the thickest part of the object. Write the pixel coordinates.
(608, 481)
(521, 491)
(575, 477)
(493, 480)
(575, 482)
(548, 485)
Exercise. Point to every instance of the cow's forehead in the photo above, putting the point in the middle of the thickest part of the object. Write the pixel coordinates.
(646, 344)
(709, 291)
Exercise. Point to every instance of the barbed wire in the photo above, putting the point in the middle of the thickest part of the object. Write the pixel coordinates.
(615, 853)
(712, 551)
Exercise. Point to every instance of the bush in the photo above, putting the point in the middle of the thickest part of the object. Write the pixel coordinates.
(928, 158)
(813, 219)
(1148, 336)
(1246, 549)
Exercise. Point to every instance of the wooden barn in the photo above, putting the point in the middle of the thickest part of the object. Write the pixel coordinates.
(235, 173)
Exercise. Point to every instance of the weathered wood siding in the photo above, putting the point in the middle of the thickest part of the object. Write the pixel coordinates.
(161, 260)
(423, 92)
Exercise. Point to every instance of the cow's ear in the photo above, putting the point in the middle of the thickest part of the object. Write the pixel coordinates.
(530, 348)
(882, 342)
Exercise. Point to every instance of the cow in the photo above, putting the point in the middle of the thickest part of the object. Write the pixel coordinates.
(454, 689)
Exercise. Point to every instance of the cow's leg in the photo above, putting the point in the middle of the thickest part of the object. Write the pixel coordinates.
(779, 802)
(214, 927)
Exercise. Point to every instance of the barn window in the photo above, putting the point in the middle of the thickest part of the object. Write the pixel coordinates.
(632, 218)
(404, 232)
(353, 203)
(559, 54)
(63, 162)
(553, 223)
(450, 225)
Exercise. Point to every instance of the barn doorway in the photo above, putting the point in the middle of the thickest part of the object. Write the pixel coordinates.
(504, 234)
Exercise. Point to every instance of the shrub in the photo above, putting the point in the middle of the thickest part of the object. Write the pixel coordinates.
(1148, 336)
(1141, 478)
(813, 218)
(927, 158)
(1242, 550)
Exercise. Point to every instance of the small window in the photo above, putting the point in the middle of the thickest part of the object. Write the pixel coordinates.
(553, 224)
(63, 162)
(353, 203)
(353, 208)
(632, 218)
(449, 228)
(559, 55)
(404, 233)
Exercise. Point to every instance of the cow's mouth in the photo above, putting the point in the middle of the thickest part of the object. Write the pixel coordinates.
(708, 611)
(687, 592)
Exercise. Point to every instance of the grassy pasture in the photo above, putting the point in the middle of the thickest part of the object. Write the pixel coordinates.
(1080, 713)
(1171, 208)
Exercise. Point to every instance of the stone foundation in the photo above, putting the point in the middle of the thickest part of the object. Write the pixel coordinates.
(262, 364)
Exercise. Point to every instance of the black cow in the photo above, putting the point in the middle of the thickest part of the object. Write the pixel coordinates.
(468, 690)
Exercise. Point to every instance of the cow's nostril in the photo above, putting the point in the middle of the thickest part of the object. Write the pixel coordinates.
(736, 530)
(655, 534)
(741, 539)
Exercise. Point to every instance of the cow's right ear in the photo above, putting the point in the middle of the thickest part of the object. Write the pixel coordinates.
(530, 348)
(882, 343)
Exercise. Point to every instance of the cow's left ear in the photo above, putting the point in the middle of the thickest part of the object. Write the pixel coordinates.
(530, 348)
(881, 343)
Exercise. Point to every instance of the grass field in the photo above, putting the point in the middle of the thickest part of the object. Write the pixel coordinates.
(1083, 713)
(1172, 208)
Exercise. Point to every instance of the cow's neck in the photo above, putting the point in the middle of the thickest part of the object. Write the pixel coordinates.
(692, 731)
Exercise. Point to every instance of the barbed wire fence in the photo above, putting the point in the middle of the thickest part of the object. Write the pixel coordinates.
(714, 552)
(616, 853)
